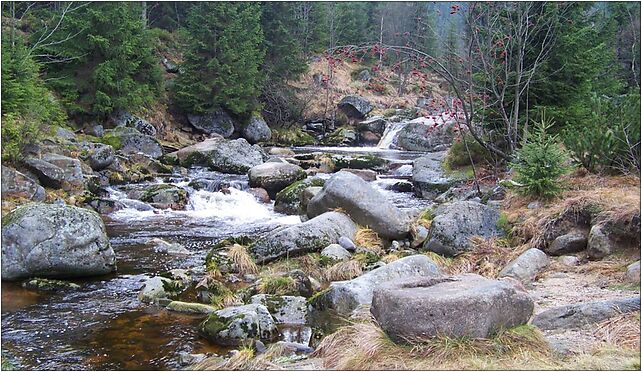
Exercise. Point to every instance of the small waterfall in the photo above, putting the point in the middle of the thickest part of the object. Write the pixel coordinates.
(390, 134)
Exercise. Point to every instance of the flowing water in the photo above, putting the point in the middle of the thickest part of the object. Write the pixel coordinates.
(103, 325)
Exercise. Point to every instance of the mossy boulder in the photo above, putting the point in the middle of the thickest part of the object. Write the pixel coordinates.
(288, 200)
(284, 309)
(274, 177)
(190, 307)
(50, 240)
(235, 325)
(358, 162)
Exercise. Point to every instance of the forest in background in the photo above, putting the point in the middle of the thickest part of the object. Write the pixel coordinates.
(575, 66)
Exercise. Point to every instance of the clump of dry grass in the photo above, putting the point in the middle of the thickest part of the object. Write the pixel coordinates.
(390, 257)
(344, 270)
(621, 331)
(220, 295)
(369, 239)
(365, 346)
(242, 260)
(242, 360)
(487, 258)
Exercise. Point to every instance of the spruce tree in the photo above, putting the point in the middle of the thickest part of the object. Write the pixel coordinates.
(223, 59)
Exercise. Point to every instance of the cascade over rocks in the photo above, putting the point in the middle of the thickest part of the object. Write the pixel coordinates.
(310, 236)
(274, 177)
(346, 296)
(455, 223)
(467, 305)
(218, 122)
(355, 106)
(227, 156)
(50, 240)
(365, 205)
(16, 184)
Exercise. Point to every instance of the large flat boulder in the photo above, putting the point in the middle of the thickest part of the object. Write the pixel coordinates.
(466, 305)
(355, 106)
(362, 202)
(579, 315)
(18, 185)
(218, 122)
(130, 141)
(428, 176)
(426, 134)
(310, 236)
(345, 296)
(227, 156)
(57, 171)
(49, 240)
(274, 177)
(455, 223)
(235, 325)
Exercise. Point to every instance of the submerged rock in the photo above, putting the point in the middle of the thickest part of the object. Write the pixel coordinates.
(455, 223)
(166, 196)
(54, 241)
(49, 284)
(466, 305)
(310, 236)
(274, 177)
(163, 246)
(18, 185)
(234, 325)
(346, 296)
(580, 315)
(364, 204)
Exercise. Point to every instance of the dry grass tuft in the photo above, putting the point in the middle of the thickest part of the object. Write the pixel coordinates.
(487, 258)
(587, 197)
(242, 259)
(365, 346)
(621, 331)
(344, 270)
(368, 238)
(390, 257)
